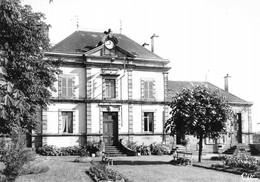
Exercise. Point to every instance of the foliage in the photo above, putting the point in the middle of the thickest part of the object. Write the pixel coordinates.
(51, 150)
(198, 111)
(159, 149)
(14, 156)
(242, 161)
(131, 145)
(100, 172)
(152, 149)
(34, 169)
(27, 79)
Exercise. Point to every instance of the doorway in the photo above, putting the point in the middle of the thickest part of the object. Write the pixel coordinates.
(110, 128)
(239, 127)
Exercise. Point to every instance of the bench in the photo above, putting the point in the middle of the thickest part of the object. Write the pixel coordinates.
(107, 160)
(183, 157)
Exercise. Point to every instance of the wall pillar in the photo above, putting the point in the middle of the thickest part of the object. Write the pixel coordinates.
(88, 105)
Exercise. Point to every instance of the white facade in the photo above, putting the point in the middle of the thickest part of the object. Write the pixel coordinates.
(102, 95)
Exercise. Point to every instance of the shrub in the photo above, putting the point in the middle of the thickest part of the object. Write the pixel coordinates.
(242, 161)
(14, 156)
(131, 145)
(100, 172)
(50, 150)
(159, 149)
(35, 169)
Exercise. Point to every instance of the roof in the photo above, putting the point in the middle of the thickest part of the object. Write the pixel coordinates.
(81, 41)
(177, 86)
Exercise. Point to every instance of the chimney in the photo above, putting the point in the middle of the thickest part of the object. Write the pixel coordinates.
(226, 82)
(152, 42)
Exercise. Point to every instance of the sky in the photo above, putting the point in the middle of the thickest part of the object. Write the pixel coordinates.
(204, 40)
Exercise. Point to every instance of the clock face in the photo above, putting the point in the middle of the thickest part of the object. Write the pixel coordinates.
(109, 44)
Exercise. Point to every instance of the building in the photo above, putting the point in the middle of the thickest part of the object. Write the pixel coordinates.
(111, 88)
(239, 133)
(114, 89)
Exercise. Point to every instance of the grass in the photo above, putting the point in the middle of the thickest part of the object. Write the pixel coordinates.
(60, 169)
(144, 168)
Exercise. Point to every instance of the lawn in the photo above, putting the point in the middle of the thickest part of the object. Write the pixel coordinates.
(143, 168)
(61, 169)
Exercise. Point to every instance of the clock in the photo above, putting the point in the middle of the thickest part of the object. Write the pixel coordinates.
(109, 44)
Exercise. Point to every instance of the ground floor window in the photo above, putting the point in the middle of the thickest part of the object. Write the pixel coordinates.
(148, 121)
(67, 121)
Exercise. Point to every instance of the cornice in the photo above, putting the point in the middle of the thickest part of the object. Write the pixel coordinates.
(139, 102)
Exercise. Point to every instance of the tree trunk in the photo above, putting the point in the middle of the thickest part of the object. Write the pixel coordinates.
(200, 147)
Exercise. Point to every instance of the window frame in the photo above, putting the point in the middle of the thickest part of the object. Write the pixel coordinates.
(110, 88)
(148, 118)
(113, 89)
(66, 87)
(148, 89)
(69, 123)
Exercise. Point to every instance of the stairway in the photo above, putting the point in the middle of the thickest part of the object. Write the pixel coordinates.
(239, 147)
(113, 151)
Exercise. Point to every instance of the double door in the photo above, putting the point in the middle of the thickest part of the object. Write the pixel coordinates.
(110, 128)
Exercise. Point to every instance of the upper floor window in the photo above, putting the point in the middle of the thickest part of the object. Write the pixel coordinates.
(148, 89)
(110, 88)
(66, 86)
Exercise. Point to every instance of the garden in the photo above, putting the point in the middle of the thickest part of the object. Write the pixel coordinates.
(239, 163)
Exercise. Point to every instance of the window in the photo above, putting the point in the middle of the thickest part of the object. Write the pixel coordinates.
(148, 121)
(110, 89)
(67, 121)
(67, 86)
(147, 89)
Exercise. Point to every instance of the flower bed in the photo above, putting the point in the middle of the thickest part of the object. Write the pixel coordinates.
(100, 172)
(152, 149)
(240, 163)
(51, 150)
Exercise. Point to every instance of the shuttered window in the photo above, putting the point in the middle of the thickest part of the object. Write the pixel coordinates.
(148, 89)
(67, 86)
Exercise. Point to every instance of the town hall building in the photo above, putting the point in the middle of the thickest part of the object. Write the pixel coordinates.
(113, 89)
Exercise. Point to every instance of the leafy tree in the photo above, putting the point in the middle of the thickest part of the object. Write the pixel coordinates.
(198, 111)
(26, 79)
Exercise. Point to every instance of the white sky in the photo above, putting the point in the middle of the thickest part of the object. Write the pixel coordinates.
(202, 38)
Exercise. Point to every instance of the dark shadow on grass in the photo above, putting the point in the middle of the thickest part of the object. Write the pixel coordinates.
(133, 163)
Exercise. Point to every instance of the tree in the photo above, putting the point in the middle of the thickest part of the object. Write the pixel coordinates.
(198, 111)
(26, 79)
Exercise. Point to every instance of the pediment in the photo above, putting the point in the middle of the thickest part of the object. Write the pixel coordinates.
(103, 51)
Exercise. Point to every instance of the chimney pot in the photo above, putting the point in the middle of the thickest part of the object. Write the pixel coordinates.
(226, 82)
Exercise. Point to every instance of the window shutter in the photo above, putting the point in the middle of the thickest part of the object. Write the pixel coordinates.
(103, 88)
(142, 122)
(73, 89)
(154, 121)
(74, 121)
(116, 87)
(59, 122)
(142, 89)
(153, 89)
(59, 87)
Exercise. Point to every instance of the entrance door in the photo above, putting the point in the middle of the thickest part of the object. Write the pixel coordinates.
(239, 128)
(110, 128)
